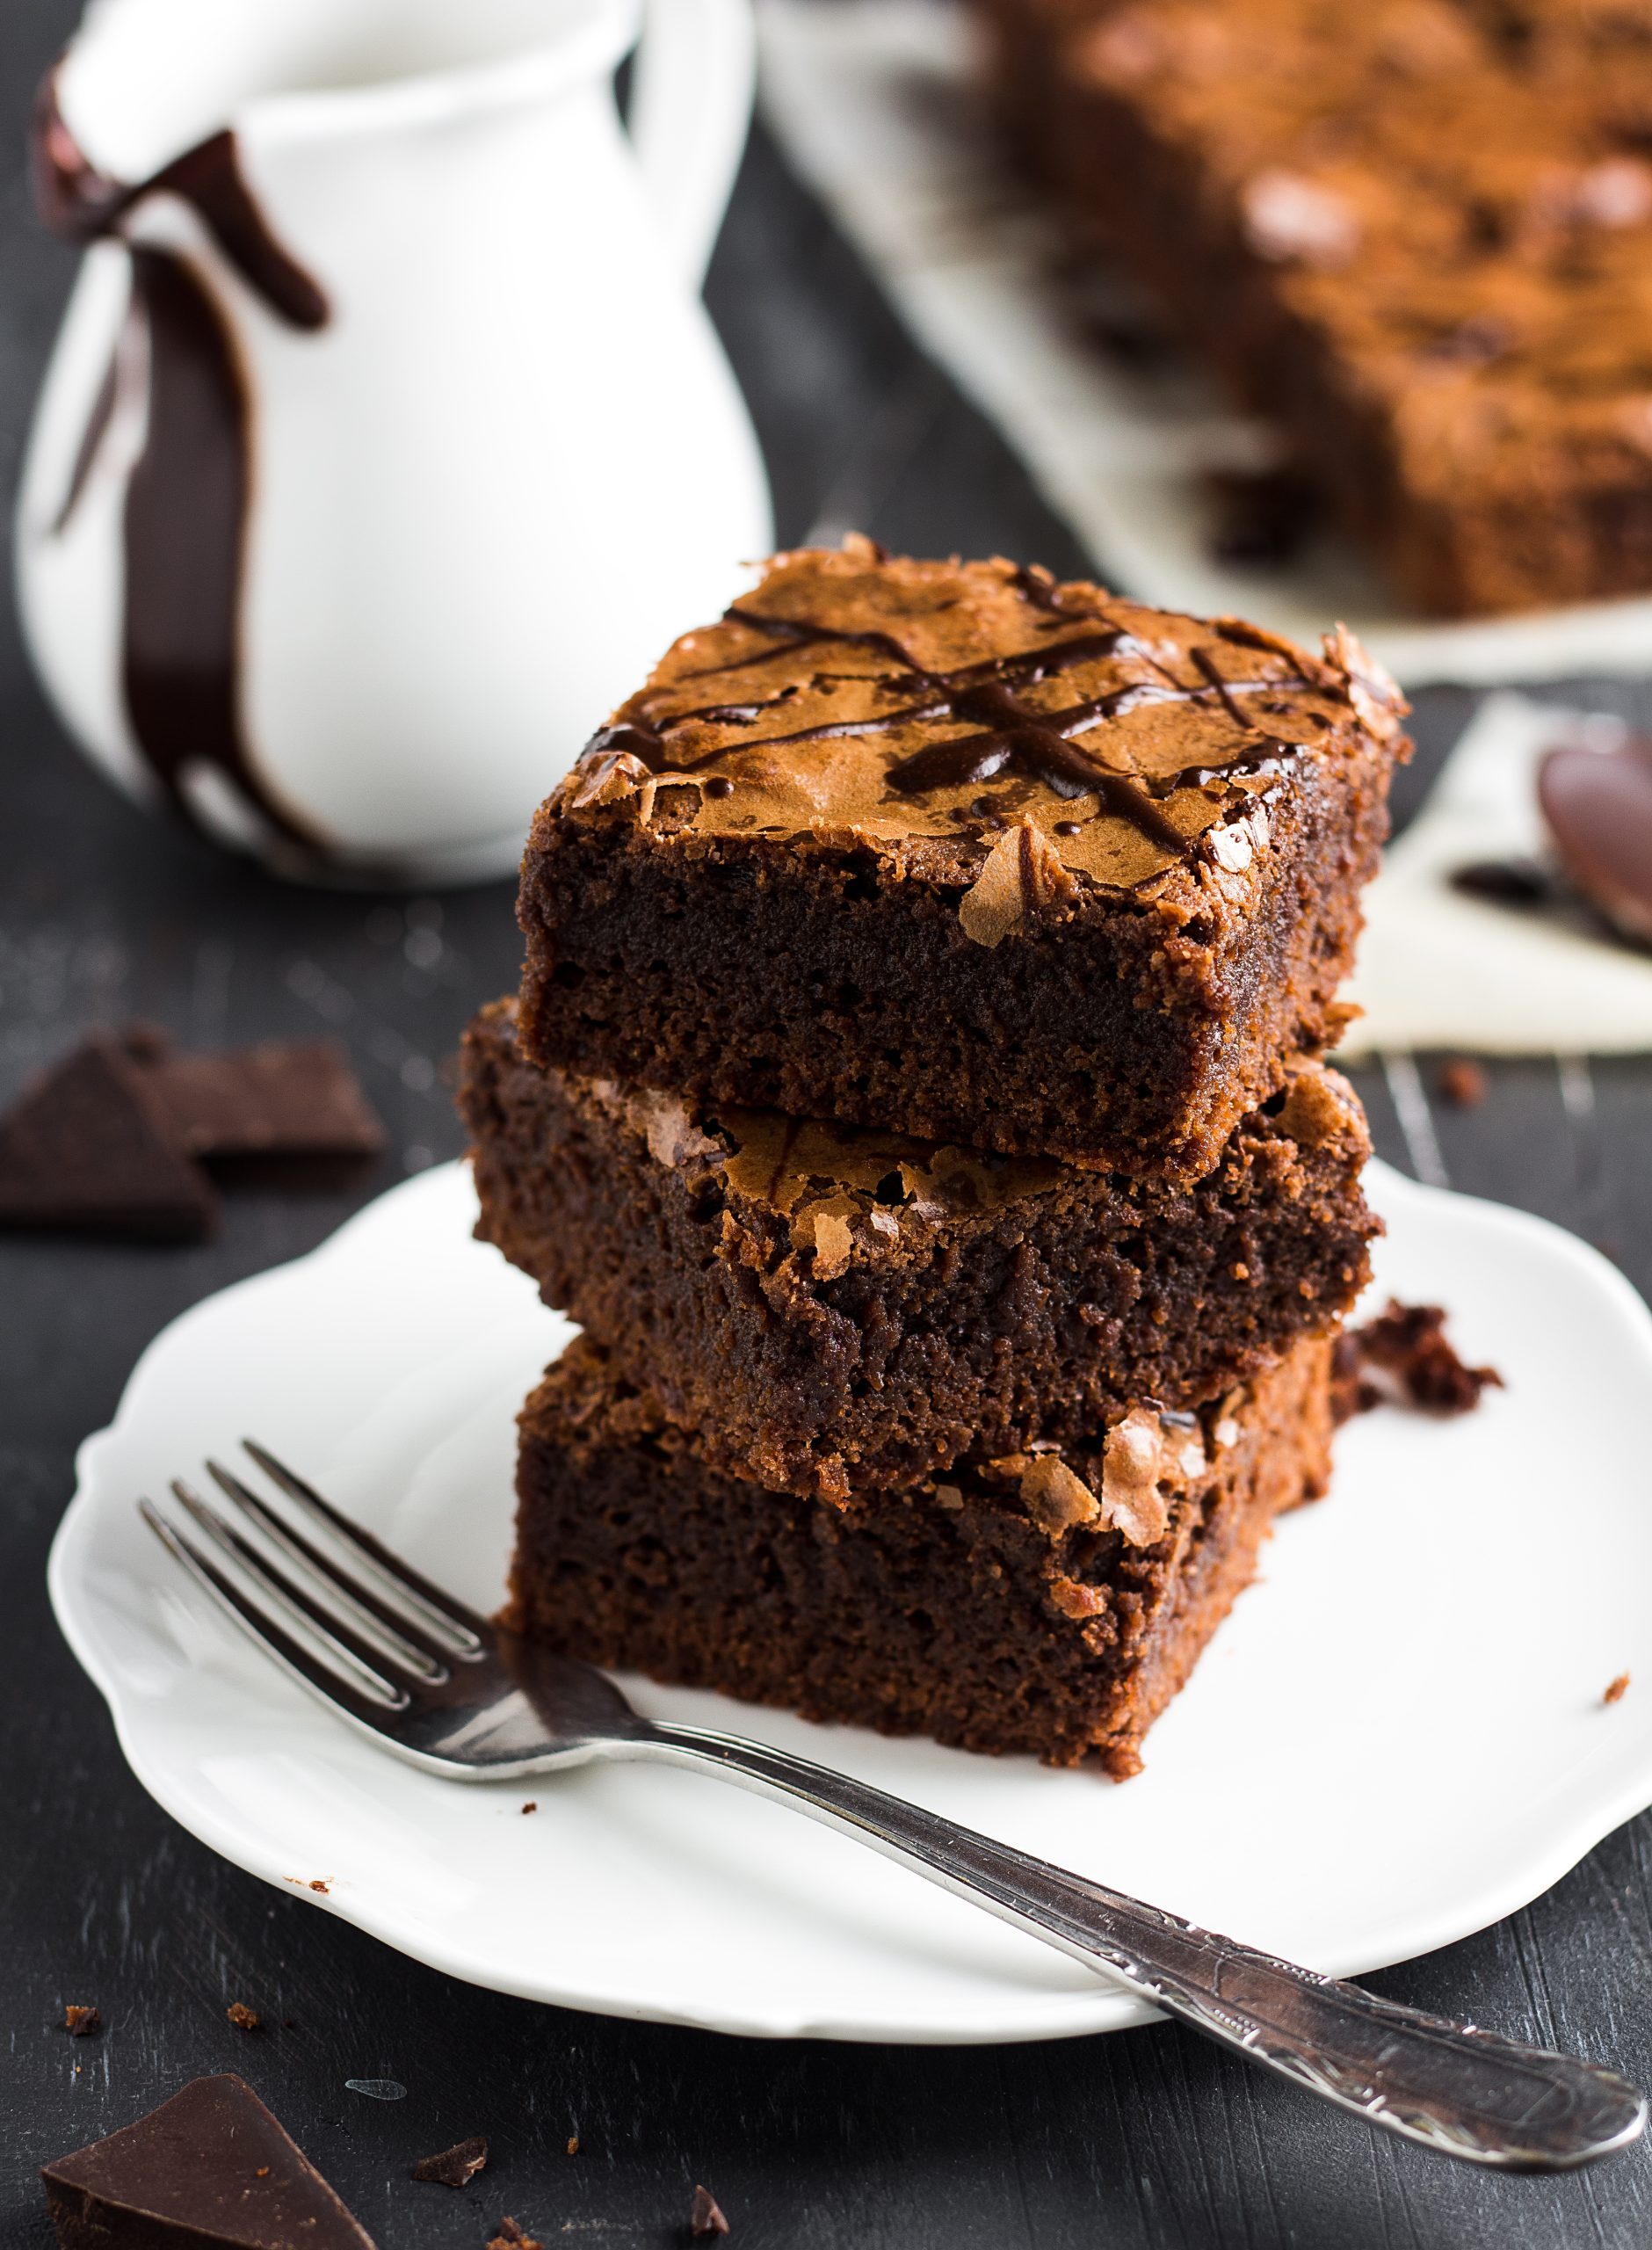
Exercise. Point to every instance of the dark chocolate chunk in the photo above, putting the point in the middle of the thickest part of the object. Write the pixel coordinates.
(455, 2166)
(288, 1100)
(209, 2168)
(1597, 806)
(1509, 882)
(706, 2215)
(88, 1150)
(81, 2022)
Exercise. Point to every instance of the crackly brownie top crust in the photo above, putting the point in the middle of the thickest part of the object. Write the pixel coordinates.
(948, 714)
(1457, 192)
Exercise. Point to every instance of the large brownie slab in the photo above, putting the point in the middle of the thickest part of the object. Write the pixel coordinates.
(1046, 1601)
(1415, 232)
(836, 1308)
(952, 850)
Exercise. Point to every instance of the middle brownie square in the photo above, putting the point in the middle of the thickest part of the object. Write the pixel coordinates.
(834, 1309)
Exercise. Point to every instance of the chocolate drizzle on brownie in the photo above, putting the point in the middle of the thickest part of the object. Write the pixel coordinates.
(936, 731)
(188, 493)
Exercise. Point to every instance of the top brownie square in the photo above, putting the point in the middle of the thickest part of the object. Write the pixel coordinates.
(957, 851)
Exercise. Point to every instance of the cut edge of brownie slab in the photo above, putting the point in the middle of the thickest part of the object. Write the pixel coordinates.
(1048, 1602)
(953, 849)
(837, 1308)
(1413, 235)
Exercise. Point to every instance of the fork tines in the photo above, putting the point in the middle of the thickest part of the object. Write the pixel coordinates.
(339, 1612)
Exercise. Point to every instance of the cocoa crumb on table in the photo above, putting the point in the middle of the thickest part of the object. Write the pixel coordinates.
(706, 2215)
(81, 2022)
(1618, 1690)
(242, 2017)
(455, 2166)
(1462, 1083)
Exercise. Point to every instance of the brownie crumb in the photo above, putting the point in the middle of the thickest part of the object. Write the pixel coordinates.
(1403, 1357)
(1617, 1690)
(320, 1883)
(512, 2237)
(532, 1805)
(573, 2143)
(705, 2214)
(242, 2017)
(81, 2022)
(1462, 1083)
(455, 2166)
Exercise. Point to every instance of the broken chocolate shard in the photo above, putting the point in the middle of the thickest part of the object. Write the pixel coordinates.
(87, 1150)
(279, 1103)
(706, 2215)
(1598, 807)
(455, 2166)
(81, 2022)
(211, 2169)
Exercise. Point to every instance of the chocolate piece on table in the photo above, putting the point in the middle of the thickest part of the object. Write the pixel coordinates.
(511, 2236)
(455, 2166)
(952, 850)
(88, 1149)
(1050, 1601)
(82, 2022)
(282, 1102)
(209, 2168)
(1414, 234)
(833, 1307)
(705, 2215)
(1597, 806)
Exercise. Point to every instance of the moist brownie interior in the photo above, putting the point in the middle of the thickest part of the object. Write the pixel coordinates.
(838, 1309)
(1048, 1602)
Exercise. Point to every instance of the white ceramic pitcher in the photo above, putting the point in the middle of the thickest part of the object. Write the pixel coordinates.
(386, 443)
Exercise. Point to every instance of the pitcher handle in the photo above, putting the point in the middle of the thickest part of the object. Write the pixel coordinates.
(691, 106)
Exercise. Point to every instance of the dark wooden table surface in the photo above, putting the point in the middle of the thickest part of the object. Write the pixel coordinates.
(1150, 2137)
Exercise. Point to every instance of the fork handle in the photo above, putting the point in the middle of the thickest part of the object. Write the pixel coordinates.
(1468, 2091)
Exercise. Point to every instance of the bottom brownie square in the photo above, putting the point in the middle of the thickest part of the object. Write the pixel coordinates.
(1051, 1601)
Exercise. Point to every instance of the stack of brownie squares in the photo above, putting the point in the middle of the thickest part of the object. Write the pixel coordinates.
(915, 1094)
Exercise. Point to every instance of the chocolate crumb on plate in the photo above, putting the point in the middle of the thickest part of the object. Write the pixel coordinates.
(455, 2166)
(81, 2022)
(242, 2017)
(705, 2214)
(1618, 1690)
(1405, 1358)
(532, 1805)
(1462, 1083)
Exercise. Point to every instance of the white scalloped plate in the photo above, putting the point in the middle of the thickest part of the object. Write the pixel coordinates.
(1396, 1738)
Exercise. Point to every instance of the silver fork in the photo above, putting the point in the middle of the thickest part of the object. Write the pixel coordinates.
(458, 1697)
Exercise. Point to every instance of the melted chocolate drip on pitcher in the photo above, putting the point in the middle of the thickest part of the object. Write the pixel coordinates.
(187, 499)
